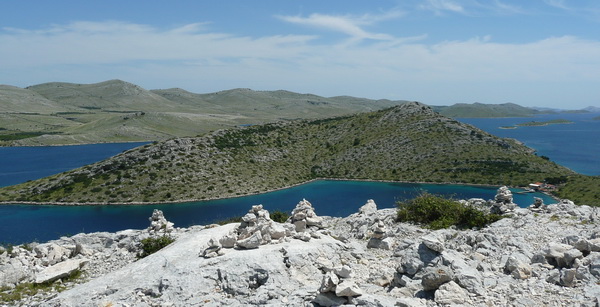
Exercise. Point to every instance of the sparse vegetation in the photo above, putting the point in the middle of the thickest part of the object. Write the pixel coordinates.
(436, 212)
(583, 190)
(279, 216)
(151, 245)
(11, 295)
(407, 143)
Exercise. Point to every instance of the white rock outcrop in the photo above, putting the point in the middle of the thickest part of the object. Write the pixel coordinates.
(545, 258)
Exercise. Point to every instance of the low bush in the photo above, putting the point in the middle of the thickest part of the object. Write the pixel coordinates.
(436, 212)
(153, 244)
(279, 216)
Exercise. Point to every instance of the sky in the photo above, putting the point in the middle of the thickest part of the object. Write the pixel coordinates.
(543, 53)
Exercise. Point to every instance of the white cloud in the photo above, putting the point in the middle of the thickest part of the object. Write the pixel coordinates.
(439, 6)
(201, 61)
(349, 25)
(557, 3)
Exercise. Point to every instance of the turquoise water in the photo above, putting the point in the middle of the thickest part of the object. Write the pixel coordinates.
(26, 223)
(19, 164)
(576, 146)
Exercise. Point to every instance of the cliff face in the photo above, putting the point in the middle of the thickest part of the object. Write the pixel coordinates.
(546, 255)
(404, 143)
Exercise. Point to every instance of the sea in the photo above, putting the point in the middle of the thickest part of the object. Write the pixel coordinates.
(573, 145)
(576, 145)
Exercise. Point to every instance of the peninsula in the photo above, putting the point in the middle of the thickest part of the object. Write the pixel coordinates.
(409, 143)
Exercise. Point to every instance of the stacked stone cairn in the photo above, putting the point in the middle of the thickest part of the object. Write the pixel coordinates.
(257, 228)
(159, 224)
(503, 202)
(538, 205)
(337, 288)
(306, 222)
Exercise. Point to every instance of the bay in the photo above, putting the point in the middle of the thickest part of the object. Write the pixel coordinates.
(576, 145)
(27, 223)
(20, 164)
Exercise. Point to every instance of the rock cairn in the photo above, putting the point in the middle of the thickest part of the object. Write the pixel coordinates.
(503, 202)
(304, 217)
(379, 238)
(256, 229)
(159, 224)
(337, 288)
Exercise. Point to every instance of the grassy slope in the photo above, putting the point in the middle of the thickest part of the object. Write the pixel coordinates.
(67, 113)
(584, 190)
(405, 143)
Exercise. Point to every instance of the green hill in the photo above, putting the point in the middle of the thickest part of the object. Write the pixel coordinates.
(465, 110)
(409, 142)
(118, 111)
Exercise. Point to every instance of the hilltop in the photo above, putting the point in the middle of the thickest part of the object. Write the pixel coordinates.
(409, 142)
(117, 111)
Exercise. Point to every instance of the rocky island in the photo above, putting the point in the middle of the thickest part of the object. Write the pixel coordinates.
(545, 123)
(544, 255)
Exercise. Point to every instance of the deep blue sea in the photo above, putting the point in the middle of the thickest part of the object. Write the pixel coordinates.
(576, 146)
(26, 223)
(19, 164)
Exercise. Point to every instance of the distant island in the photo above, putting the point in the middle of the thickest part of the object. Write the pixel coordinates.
(538, 124)
(596, 118)
(545, 123)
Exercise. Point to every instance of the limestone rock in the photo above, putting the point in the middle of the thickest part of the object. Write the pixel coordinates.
(434, 277)
(253, 241)
(518, 265)
(433, 242)
(450, 293)
(60, 270)
(561, 255)
(369, 208)
(348, 288)
(327, 299)
(213, 250)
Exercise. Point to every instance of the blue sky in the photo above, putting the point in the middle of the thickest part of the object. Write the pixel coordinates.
(440, 52)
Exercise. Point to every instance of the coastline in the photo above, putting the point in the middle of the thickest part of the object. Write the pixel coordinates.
(249, 194)
(77, 144)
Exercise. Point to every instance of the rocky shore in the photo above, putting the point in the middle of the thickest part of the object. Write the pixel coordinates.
(544, 255)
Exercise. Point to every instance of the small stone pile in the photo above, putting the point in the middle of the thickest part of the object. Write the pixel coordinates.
(256, 229)
(306, 222)
(379, 237)
(503, 202)
(538, 204)
(158, 223)
(337, 288)
(304, 216)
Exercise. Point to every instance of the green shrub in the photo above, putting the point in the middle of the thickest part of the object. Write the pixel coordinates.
(436, 212)
(279, 216)
(153, 244)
